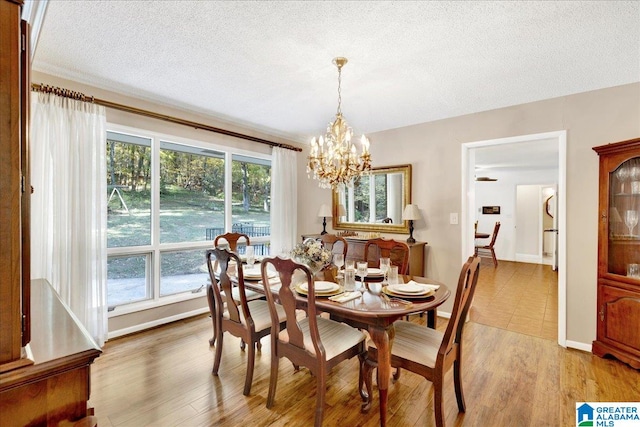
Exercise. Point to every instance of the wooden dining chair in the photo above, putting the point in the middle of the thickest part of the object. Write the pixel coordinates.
(488, 250)
(247, 320)
(336, 244)
(232, 240)
(313, 341)
(428, 352)
(397, 252)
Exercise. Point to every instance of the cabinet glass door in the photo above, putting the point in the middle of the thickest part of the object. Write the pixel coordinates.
(624, 211)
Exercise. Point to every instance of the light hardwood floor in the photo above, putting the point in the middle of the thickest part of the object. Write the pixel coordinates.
(162, 377)
(518, 297)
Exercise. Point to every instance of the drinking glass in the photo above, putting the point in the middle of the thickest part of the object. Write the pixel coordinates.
(349, 280)
(362, 272)
(622, 174)
(631, 219)
(349, 264)
(384, 267)
(392, 278)
(338, 261)
(250, 254)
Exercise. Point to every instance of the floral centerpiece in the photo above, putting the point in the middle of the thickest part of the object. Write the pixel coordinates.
(312, 254)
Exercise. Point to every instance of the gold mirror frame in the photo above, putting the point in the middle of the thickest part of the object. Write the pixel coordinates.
(340, 223)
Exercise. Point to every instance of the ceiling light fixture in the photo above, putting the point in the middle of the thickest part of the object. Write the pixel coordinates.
(333, 159)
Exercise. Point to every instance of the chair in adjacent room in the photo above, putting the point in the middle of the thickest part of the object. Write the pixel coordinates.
(428, 352)
(232, 239)
(247, 320)
(488, 250)
(397, 252)
(313, 341)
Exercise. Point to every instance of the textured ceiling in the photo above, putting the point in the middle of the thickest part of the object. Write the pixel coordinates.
(268, 64)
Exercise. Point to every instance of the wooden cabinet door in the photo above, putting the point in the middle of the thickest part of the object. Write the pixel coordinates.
(619, 318)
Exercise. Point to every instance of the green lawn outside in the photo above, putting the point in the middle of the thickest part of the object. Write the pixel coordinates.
(184, 217)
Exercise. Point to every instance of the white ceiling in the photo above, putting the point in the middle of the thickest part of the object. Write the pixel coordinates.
(267, 64)
(531, 155)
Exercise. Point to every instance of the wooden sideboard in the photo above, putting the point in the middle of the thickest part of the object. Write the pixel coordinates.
(355, 252)
(55, 389)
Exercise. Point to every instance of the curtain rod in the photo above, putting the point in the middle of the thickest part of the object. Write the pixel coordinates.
(82, 97)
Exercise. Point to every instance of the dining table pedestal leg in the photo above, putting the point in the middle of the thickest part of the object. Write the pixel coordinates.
(383, 339)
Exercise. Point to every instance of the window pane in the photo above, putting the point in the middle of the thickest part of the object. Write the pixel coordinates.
(361, 200)
(182, 271)
(191, 192)
(127, 279)
(251, 191)
(129, 189)
(380, 187)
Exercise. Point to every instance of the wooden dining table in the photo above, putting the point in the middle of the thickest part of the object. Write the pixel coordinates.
(375, 314)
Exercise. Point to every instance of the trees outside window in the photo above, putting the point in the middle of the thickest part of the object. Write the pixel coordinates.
(167, 198)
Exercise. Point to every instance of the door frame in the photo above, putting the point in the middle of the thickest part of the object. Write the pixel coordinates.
(468, 209)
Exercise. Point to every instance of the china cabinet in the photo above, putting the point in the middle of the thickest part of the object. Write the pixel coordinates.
(618, 306)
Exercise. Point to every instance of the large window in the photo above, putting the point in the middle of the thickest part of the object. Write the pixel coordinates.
(168, 199)
(129, 188)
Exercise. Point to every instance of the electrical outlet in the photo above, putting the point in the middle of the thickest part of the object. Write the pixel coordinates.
(453, 218)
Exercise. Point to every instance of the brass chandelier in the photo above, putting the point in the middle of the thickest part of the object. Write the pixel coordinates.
(333, 158)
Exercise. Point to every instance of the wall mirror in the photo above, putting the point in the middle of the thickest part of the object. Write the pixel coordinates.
(375, 202)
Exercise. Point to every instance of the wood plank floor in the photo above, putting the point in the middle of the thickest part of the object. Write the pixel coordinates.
(162, 377)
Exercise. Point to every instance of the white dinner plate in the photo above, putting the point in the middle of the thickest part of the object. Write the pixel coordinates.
(409, 289)
(389, 291)
(321, 286)
(254, 273)
(372, 272)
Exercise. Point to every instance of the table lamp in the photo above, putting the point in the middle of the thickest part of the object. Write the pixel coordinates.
(324, 212)
(411, 213)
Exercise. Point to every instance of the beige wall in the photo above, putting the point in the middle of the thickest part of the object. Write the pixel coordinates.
(434, 149)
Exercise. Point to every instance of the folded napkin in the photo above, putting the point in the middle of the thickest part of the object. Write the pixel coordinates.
(426, 285)
(347, 296)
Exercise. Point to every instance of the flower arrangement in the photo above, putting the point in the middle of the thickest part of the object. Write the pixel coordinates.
(312, 254)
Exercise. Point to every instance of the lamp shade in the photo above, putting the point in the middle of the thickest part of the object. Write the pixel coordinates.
(341, 210)
(411, 212)
(325, 211)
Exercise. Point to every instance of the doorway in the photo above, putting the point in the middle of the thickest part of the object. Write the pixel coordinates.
(519, 154)
(536, 228)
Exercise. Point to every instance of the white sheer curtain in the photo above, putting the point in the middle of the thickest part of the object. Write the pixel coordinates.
(68, 206)
(284, 200)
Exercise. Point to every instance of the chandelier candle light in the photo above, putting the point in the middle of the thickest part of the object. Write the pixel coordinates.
(333, 158)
